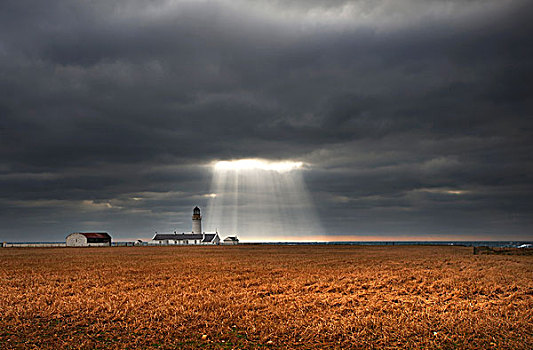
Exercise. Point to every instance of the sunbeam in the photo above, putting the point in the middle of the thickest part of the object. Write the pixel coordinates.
(260, 199)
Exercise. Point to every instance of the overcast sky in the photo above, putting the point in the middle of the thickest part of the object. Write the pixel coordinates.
(414, 117)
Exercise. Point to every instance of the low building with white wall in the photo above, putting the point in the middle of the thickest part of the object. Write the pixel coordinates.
(185, 239)
(231, 240)
(196, 237)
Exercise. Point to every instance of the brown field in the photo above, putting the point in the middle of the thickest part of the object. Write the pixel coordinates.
(265, 297)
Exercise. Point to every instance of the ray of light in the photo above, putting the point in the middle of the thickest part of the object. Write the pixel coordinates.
(261, 198)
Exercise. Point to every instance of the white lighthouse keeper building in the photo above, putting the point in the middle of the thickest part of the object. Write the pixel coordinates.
(195, 237)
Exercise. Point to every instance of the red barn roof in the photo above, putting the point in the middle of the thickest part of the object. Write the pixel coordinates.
(103, 235)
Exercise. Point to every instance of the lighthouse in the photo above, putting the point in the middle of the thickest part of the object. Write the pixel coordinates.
(190, 238)
(196, 221)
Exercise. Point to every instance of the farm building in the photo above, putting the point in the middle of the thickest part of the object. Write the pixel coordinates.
(195, 237)
(89, 239)
(231, 240)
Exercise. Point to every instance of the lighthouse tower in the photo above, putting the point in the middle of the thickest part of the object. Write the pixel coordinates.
(196, 221)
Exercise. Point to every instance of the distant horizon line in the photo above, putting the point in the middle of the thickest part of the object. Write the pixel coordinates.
(324, 238)
(319, 242)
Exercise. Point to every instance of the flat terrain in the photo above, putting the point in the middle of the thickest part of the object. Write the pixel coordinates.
(265, 297)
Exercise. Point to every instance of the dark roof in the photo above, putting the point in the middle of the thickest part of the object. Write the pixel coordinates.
(208, 237)
(232, 238)
(102, 235)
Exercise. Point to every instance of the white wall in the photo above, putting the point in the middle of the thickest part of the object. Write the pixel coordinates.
(33, 245)
(196, 225)
(76, 240)
(98, 244)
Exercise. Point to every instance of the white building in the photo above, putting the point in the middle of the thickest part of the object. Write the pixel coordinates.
(194, 238)
(89, 239)
(230, 240)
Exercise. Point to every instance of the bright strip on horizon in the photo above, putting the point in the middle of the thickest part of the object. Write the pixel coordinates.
(262, 164)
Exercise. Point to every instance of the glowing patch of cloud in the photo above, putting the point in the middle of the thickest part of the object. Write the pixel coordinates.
(261, 164)
(443, 191)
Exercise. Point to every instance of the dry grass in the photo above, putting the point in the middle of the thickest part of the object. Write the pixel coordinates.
(264, 297)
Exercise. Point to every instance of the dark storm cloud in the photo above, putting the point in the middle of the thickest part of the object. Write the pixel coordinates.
(414, 115)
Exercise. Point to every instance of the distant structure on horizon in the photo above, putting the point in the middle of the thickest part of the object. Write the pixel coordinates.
(194, 238)
(231, 240)
(88, 239)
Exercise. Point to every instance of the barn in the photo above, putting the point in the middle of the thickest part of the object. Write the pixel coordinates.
(89, 239)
